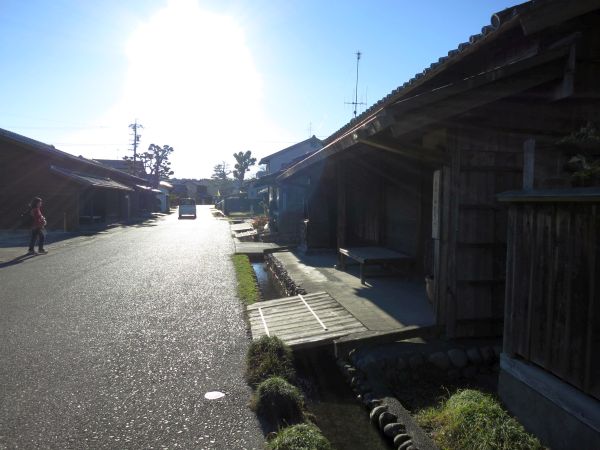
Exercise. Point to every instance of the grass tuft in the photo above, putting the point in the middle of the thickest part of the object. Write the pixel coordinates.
(279, 402)
(266, 357)
(470, 419)
(247, 288)
(299, 437)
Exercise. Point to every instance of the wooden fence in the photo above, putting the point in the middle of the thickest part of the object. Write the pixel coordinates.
(552, 315)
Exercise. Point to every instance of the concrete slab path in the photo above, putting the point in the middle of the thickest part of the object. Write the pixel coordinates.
(382, 304)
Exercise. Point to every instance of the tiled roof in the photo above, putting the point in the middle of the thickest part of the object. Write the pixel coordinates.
(147, 188)
(90, 180)
(315, 143)
(122, 165)
(50, 149)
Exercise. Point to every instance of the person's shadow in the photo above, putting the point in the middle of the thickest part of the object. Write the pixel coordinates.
(17, 260)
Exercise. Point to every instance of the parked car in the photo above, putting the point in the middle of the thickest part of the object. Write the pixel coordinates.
(187, 207)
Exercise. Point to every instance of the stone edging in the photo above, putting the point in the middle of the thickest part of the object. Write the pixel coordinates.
(281, 275)
(400, 428)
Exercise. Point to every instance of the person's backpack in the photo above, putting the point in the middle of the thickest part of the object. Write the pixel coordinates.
(26, 218)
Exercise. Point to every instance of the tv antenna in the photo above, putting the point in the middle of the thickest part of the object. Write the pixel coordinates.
(355, 103)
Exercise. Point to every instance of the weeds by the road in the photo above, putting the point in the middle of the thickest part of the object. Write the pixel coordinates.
(302, 436)
(269, 356)
(472, 419)
(247, 287)
(277, 400)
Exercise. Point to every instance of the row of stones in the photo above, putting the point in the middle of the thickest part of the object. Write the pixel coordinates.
(379, 414)
(456, 362)
(286, 282)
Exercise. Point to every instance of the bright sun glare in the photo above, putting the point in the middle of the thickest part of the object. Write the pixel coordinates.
(191, 81)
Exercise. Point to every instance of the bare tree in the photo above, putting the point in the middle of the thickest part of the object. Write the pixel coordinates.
(221, 171)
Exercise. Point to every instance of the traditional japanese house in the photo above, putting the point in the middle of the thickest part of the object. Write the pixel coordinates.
(419, 171)
(75, 190)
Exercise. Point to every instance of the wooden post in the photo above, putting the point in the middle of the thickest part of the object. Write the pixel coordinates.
(381, 212)
(528, 164)
(452, 269)
(437, 244)
(341, 204)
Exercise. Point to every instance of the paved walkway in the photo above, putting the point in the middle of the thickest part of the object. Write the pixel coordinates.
(383, 304)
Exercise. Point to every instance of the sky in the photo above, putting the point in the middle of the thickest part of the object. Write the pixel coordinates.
(212, 77)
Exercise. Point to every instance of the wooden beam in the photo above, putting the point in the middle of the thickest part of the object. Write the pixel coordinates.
(566, 86)
(553, 13)
(473, 99)
(434, 157)
(530, 60)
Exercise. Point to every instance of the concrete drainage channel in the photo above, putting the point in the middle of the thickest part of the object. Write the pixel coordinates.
(341, 418)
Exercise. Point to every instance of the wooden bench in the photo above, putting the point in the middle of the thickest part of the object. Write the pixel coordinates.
(371, 255)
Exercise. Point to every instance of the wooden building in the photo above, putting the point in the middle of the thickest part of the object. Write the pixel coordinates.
(419, 171)
(550, 366)
(284, 215)
(75, 190)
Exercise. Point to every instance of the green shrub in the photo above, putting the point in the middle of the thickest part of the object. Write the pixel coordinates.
(269, 356)
(470, 419)
(279, 402)
(300, 437)
(247, 288)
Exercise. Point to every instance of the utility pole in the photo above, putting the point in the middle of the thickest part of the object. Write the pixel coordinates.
(136, 139)
(355, 103)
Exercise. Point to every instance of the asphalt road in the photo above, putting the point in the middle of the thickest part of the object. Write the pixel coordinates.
(112, 342)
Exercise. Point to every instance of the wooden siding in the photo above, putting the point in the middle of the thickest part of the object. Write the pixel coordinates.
(484, 163)
(552, 292)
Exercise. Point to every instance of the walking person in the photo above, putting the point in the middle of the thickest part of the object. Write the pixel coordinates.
(38, 230)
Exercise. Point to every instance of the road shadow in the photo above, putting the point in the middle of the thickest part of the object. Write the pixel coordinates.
(20, 238)
(17, 260)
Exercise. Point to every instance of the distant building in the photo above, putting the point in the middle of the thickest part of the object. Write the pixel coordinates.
(280, 218)
(281, 159)
(75, 190)
(165, 190)
(191, 189)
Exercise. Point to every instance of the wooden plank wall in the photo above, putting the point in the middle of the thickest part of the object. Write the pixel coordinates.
(24, 175)
(363, 213)
(552, 298)
(484, 163)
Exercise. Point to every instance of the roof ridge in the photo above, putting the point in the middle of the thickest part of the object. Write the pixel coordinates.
(497, 21)
(21, 139)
